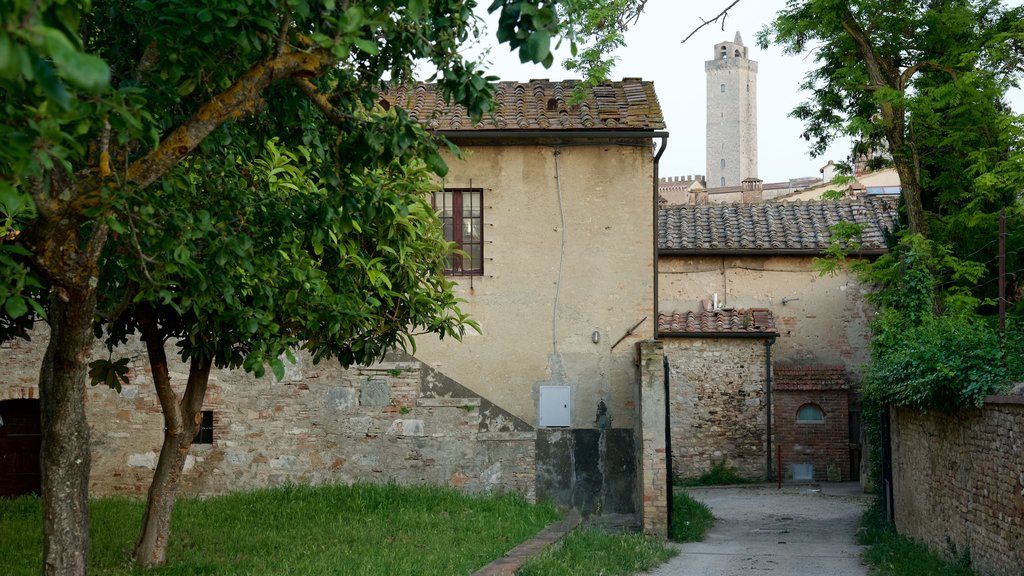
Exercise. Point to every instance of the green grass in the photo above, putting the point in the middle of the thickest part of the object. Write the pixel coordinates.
(891, 554)
(352, 530)
(718, 475)
(691, 519)
(589, 551)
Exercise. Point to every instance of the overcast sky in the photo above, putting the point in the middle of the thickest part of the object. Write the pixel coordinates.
(654, 52)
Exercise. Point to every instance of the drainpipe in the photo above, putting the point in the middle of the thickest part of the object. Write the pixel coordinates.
(768, 395)
(668, 440)
(657, 213)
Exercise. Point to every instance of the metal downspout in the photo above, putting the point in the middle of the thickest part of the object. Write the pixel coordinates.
(656, 208)
(768, 395)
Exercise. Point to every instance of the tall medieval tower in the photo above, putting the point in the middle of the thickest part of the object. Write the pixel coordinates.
(732, 115)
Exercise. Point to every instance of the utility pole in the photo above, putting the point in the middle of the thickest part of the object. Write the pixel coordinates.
(1002, 272)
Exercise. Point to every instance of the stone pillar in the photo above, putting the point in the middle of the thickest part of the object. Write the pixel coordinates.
(652, 463)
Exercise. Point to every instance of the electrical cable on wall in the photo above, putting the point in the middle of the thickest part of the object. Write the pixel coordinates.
(561, 256)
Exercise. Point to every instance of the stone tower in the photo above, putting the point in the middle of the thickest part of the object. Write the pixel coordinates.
(732, 115)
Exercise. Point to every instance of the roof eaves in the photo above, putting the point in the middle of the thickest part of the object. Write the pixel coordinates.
(667, 334)
(762, 252)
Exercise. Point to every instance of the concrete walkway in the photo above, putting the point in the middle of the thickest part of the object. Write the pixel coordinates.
(804, 530)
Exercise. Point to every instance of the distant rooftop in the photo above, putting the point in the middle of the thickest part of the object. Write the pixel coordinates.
(796, 227)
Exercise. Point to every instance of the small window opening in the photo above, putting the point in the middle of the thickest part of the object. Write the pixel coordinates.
(723, 163)
(810, 413)
(205, 433)
(722, 181)
(721, 88)
(737, 53)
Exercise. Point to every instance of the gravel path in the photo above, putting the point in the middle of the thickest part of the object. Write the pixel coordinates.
(798, 531)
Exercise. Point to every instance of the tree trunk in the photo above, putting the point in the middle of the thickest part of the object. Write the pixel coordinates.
(884, 73)
(65, 450)
(181, 421)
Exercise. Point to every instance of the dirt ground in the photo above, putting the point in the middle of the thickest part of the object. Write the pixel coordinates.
(802, 530)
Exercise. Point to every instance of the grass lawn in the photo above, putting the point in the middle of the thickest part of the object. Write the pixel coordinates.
(351, 530)
(590, 551)
(891, 554)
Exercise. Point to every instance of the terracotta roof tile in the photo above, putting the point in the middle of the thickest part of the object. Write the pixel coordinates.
(773, 225)
(725, 322)
(629, 104)
(811, 378)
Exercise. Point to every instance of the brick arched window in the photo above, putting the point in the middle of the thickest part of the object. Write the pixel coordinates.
(810, 414)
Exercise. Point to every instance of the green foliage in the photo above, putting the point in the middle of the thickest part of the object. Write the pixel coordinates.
(691, 518)
(589, 551)
(891, 554)
(931, 349)
(111, 373)
(720, 474)
(843, 242)
(367, 529)
(945, 363)
(281, 261)
(89, 87)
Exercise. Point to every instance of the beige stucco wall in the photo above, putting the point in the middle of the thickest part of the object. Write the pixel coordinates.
(820, 319)
(569, 251)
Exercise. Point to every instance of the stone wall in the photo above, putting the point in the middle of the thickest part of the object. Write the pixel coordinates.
(824, 445)
(717, 405)
(395, 421)
(959, 482)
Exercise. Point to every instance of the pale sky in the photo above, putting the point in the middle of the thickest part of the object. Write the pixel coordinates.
(654, 52)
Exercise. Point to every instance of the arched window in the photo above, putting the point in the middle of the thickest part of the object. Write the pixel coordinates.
(809, 414)
(737, 53)
(721, 88)
(725, 52)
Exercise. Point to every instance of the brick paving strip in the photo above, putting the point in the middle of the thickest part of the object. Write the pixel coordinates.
(508, 564)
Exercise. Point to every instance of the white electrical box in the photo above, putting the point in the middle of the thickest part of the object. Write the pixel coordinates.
(554, 407)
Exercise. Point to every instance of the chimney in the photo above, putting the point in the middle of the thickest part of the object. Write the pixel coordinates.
(753, 190)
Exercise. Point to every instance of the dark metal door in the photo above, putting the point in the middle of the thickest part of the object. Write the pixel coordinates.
(20, 442)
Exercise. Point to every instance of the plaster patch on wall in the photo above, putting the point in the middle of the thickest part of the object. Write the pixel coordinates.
(285, 462)
(492, 475)
(341, 399)
(406, 428)
(375, 393)
(145, 460)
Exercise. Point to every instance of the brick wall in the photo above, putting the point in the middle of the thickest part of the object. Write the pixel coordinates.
(717, 405)
(652, 463)
(958, 482)
(820, 444)
(395, 421)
